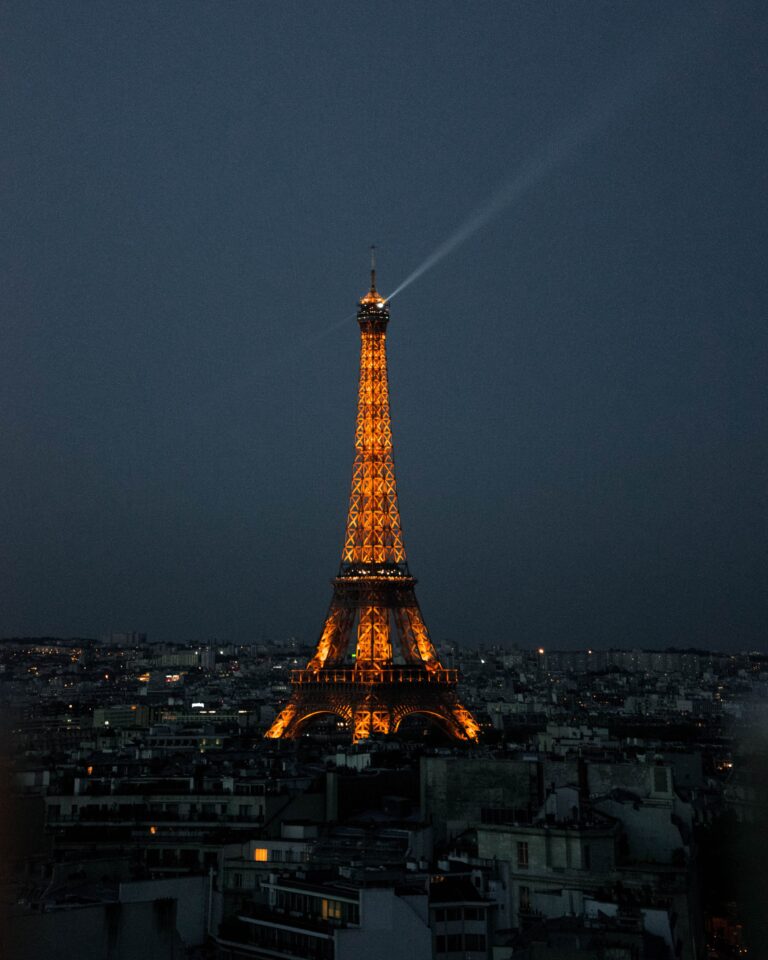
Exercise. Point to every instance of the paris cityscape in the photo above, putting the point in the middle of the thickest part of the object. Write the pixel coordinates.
(271, 799)
(434, 629)
(597, 817)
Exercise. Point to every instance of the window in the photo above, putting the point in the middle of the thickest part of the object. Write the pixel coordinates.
(660, 779)
(524, 899)
(474, 941)
(522, 855)
(453, 943)
(440, 944)
(453, 913)
(331, 910)
(474, 913)
(261, 854)
(277, 855)
(440, 915)
(237, 881)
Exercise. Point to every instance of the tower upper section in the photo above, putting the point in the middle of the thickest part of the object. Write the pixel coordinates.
(373, 544)
(373, 310)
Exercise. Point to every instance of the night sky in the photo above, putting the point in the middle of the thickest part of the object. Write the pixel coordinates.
(189, 191)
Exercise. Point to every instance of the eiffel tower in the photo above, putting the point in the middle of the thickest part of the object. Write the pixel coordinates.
(394, 669)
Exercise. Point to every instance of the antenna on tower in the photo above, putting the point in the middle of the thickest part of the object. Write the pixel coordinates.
(373, 268)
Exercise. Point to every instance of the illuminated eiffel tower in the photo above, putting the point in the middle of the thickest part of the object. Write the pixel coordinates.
(379, 684)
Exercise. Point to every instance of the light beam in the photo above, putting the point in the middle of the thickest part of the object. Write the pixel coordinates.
(555, 153)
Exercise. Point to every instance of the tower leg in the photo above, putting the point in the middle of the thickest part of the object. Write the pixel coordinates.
(362, 723)
(282, 723)
(335, 635)
(467, 723)
(381, 721)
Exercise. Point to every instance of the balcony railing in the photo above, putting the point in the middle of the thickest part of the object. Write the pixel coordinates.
(143, 817)
(369, 676)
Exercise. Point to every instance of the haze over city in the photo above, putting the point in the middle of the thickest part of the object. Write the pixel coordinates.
(577, 387)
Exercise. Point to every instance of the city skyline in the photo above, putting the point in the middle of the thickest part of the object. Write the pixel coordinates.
(579, 386)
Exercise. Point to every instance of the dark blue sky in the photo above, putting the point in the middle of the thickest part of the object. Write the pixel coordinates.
(189, 190)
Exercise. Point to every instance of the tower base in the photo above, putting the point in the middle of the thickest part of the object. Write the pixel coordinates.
(375, 700)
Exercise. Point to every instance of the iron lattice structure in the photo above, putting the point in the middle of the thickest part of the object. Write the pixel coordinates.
(374, 598)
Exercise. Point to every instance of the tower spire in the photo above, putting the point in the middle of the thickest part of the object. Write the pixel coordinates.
(373, 297)
(373, 268)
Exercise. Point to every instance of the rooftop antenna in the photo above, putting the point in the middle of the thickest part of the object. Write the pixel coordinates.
(373, 268)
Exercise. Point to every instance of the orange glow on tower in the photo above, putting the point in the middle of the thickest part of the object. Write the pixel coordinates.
(394, 670)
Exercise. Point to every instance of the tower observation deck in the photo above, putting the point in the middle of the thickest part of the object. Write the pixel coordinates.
(374, 663)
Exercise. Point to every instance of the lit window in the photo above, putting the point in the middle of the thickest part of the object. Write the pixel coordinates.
(261, 854)
(331, 910)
